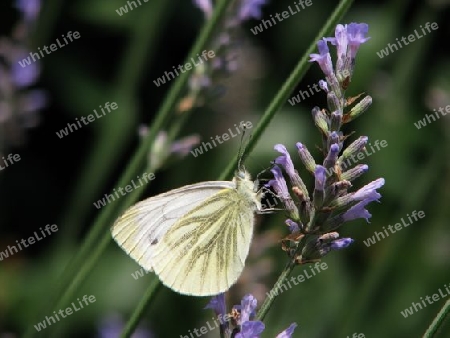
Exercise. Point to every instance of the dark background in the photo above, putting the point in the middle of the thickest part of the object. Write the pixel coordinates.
(118, 57)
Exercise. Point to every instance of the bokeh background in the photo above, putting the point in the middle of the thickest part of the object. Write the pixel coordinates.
(116, 59)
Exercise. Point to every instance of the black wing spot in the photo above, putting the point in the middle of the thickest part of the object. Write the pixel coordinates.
(155, 241)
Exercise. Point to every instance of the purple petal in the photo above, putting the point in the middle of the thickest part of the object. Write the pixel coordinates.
(293, 227)
(29, 8)
(248, 306)
(24, 76)
(205, 6)
(323, 58)
(288, 332)
(359, 211)
(285, 160)
(341, 243)
(251, 9)
(340, 40)
(217, 304)
(356, 33)
(251, 329)
(279, 183)
(369, 191)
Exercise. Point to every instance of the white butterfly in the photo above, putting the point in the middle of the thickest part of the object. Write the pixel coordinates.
(195, 238)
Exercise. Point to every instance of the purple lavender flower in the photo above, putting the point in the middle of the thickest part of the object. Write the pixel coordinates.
(246, 326)
(247, 308)
(323, 58)
(356, 33)
(217, 304)
(112, 326)
(288, 332)
(367, 192)
(359, 211)
(251, 329)
(30, 9)
(293, 226)
(251, 9)
(24, 76)
(279, 184)
(341, 243)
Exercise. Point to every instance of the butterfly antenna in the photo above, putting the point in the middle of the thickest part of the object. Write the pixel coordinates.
(242, 148)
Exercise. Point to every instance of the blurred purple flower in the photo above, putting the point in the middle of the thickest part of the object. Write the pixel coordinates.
(30, 9)
(251, 9)
(113, 325)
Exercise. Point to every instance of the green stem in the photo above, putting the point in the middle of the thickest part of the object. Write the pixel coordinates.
(438, 321)
(141, 308)
(290, 84)
(265, 307)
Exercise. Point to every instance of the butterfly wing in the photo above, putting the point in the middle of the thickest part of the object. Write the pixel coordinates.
(204, 252)
(142, 226)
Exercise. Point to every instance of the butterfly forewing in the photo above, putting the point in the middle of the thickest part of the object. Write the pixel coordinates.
(143, 225)
(204, 252)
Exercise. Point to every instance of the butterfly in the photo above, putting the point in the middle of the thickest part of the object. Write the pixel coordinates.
(195, 238)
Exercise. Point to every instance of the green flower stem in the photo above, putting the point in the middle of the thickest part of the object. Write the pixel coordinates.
(289, 86)
(141, 308)
(438, 321)
(265, 307)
